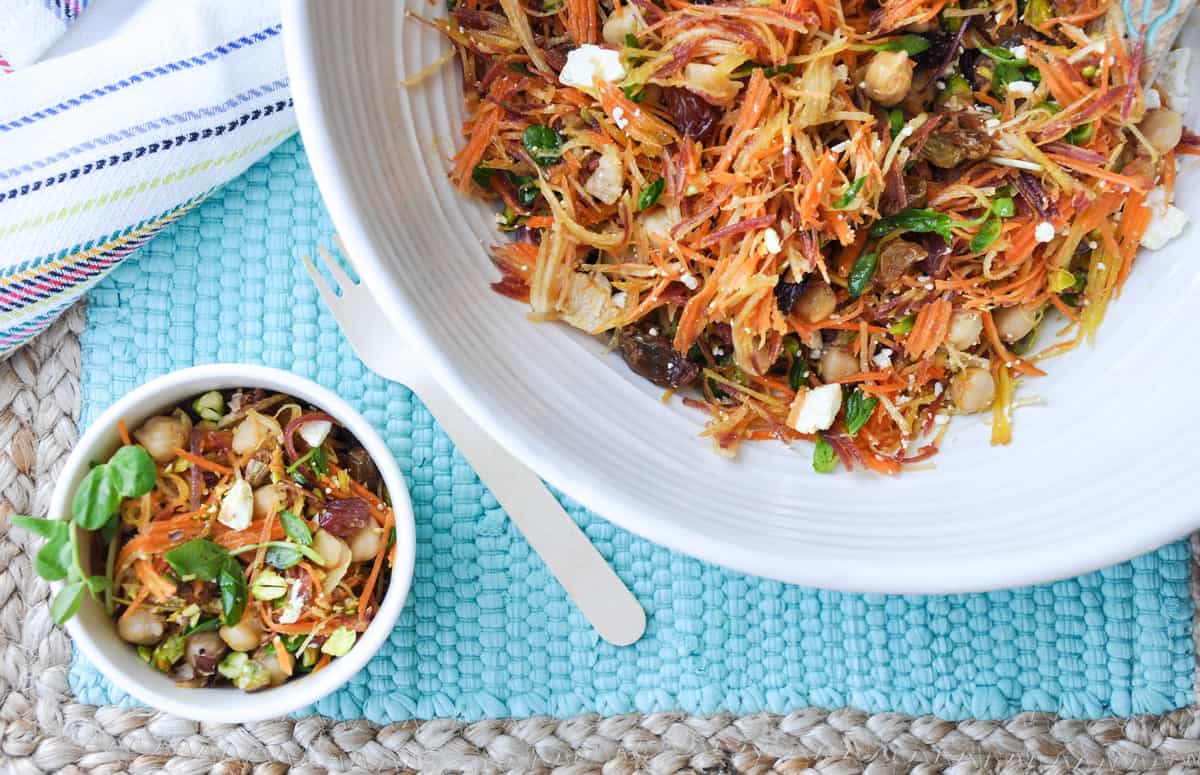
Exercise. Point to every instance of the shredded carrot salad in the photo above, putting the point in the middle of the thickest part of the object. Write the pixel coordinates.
(813, 219)
(256, 552)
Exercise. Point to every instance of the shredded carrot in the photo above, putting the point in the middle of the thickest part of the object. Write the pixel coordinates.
(205, 463)
(282, 656)
(160, 587)
(123, 430)
(717, 198)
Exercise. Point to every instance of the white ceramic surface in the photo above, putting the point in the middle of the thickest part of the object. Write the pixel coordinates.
(1104, 471)
(95, 632)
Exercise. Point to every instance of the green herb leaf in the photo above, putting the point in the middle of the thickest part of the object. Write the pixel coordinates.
(650, 194)
(199, 557)
(544, 145)
(520, 67)
(895, 120)
(54, 559)
(824, 458)
(482, 176)
(527, 190)
(986, 236)
(1081, 134)
(903, 325)
(998, 53)
(798, 373)
(769, 71)
(1004, 207)
(96, 499)
(861, 274)
(631, 40)
(282, 557)
(47, 528)
(858, 410)
(204, 624)
(295, 528)
(635, 92)
(848, 196)
(791, 345)
(914, 220)
(97, 584)
(909, 44)
(232, 583)
(66, 602)
(132, 471)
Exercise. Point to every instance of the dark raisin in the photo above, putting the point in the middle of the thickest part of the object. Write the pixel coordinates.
(690, 113)
(361, 468)
(896, 257)
(787, 294)
(343, 516)
(651, 355)
(471, 18)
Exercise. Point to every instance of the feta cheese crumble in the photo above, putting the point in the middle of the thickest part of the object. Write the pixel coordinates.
(1020, 53)
(1166, 220)
(1044, 231)
(1173, 77)
(314, 432)
(883, 358)
(237, 506)
(1021, 87)
(589, 62)
(815, 410)
(619, 119)
(771, 240)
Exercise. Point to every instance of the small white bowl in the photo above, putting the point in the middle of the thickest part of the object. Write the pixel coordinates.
(96, 632)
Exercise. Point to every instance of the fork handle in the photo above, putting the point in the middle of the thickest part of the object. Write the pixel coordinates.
(600, 594)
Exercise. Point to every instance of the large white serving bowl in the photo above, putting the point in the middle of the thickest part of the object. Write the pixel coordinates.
(1103, 471)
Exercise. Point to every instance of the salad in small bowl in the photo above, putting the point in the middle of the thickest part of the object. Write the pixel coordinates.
(227, 529)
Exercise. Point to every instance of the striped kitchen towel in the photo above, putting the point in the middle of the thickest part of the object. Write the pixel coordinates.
(29, 27)
(100, 149)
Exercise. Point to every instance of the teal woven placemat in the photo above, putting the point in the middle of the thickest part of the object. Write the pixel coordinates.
(488, 633)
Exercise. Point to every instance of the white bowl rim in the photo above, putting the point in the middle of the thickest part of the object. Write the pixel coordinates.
(294, 695)
(882, 572)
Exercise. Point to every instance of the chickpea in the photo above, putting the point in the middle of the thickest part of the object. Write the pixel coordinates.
(267, 498)
(203, 650)
(270, 663)
(965, 328)
(888, 77)
(249, 434)
(364, 543)
(972, 390)
(1013, 323)
(816, 303)
(1163, 129)
(246, 635)
(836, 364)
(329, 546)
(626, 20)
(142, 627)
(161, 436)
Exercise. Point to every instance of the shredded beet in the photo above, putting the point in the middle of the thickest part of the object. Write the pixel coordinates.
(289, 442)
(1031, 190)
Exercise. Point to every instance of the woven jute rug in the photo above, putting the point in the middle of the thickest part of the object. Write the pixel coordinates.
(44, 729)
